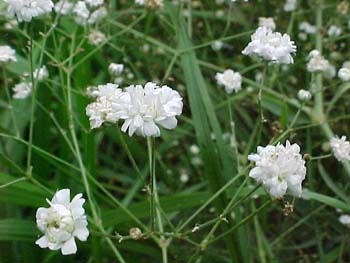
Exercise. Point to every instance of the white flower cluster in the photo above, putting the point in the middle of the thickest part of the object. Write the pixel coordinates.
(334, 31)
(271, 46)
(267, 22)
(345, 220)
(317, 63)
(307, 28)
(64, 7)
(7, 54)
(153, 4)
(25, 10)
(115, 69)
(290, 5)
(22, 90)
(41, 73)
(62, 222)
(304, 95)
(141, 108)
(340, 148)
(344, 74)
(96, 37)
(89, 12)
(280, 169)
(231, 80)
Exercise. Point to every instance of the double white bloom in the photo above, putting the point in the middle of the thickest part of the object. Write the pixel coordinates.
(7, 54)
(280, 169)
(231, 80)
(344, 74)
(62, 222)
(25, 10)
(341, 148)
(271, 46)
(141, 108)
(22, 90)
(89, 12)
(317, 63)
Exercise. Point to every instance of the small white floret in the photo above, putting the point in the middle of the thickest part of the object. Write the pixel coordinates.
(344, 74)
(62, 222)
(280, 169)
(232, 81)
(340, 148)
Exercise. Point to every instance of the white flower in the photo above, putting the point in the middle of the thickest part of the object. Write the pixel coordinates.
(11, 24)
(304, 95)
(41, 73)
(25, 10)
(62, 222)
(217, 45)
(346, 64)
(345, 220)
(344, 74)
(94, 3)
(92, 92)
(280, 169)
(7, 54)
(290, 5)
(317, 62)
(231, 80)
(194, 149)
(64, 7)
(330, 72)
(97, 15)
(148, 107)
(153, 4)
(307, 27)
(341, 148)
(271, 46)
(141, 108)
(81, 13)
(334, 31)
(267, 22)
(115, 69)
(101, 110)
(96, 37)
(22, 90)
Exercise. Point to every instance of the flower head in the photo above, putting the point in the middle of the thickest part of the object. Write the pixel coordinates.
(96, 37)
(62, 222)
(22, 90)
(141, 108)
(280, 169)
(344, 74)
(317, 63)
(267, 22)
(290, 5)
(271, 46)
(25, 10)
(7, 54)
(63, 7)
(304, 95)
(41, 73)
(334, 31)
(115, 69)
(341, 148)
(231, 80)
(94, 3)
(345, 220)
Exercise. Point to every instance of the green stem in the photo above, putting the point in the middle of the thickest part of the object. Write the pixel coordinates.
(10, 102)
(163, 243)
(82, 168)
